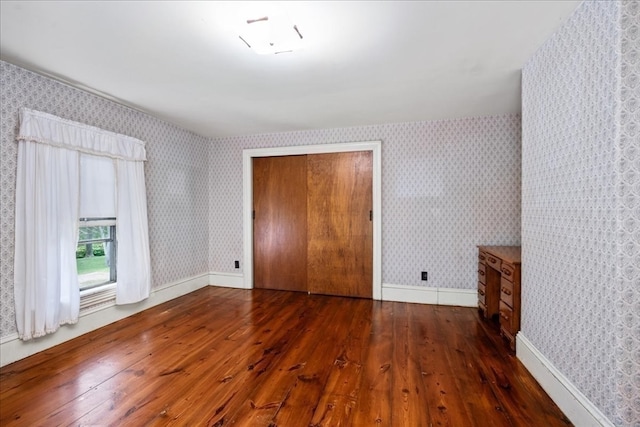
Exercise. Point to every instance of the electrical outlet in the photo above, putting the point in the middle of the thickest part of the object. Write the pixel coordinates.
(237, 264)
(424, 276)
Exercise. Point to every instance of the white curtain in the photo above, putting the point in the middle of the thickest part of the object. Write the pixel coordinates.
(134, 272)
(46, 233)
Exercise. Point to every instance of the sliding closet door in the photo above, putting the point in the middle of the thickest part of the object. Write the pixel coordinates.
(280, 223)
(340, 230)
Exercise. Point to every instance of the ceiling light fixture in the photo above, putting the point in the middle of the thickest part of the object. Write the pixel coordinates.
(271, 34)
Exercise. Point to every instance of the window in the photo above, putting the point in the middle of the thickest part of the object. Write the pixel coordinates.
(96, 250)
(66, 171)
(96, 254)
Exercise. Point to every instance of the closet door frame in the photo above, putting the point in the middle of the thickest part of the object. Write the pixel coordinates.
(247, 199)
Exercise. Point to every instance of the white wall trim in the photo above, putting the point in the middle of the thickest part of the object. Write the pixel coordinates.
(459, 297)
(6, 339)
(227, 280)
(13, 349)
(247, 195)
(563, 392)
(413, 294)
(427, 295)
(390, 292)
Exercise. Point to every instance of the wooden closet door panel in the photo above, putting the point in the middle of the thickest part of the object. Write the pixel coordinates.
(280, 223)
(340, 231)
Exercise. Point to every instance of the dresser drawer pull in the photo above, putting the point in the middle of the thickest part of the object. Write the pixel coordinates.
(481, 257)
(480, 272)
(480, 291)
(504, 316)
(491, 259)
(506, 272)
(506, 291)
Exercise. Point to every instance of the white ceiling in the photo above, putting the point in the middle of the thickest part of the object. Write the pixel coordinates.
(365, 62)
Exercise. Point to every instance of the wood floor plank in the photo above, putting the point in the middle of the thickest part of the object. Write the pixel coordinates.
(265, 403)
(522, 404)
(442, 395)
(474, 394)
(79, 370)
(37, 367)
(341, 391)
(303, 397)
(161, 363)
(374, 404)
(224, 357)
(179, 369)
(248, 366)
(408, 392)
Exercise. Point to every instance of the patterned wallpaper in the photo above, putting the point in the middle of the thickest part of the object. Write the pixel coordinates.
(581, 205)
(176, 175)
(627, 295)
(447, 186)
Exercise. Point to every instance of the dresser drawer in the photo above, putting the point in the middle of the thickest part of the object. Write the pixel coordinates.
(494, 262)
(508, 271)
(507, 319)
(506, 292)
(482, 292)
(482, 273)
(482, 308)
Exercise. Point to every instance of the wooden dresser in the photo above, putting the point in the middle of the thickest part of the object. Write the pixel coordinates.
(499, 287)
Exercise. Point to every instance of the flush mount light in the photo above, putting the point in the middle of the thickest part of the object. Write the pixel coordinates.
(271, 34)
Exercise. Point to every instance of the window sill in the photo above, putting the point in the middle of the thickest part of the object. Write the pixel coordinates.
(96, 297)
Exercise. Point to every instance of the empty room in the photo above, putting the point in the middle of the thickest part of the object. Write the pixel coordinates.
(389, 213)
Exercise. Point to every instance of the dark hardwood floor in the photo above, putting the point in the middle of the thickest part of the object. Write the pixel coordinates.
(220, 357)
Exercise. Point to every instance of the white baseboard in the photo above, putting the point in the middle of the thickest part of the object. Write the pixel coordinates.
(415, 294)
(227, 280)
(569, 399)
(459, 297)
(399, 293)
(425, 295)
(13, 349)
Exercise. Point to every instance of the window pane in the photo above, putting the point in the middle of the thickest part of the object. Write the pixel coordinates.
(93, 269)
(96, 232)
(96, 253)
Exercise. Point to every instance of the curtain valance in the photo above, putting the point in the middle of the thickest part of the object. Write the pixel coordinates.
(48, 129)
